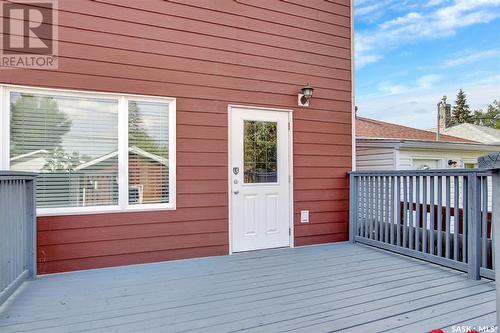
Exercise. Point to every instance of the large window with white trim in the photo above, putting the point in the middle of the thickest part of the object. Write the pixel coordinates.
(93, 152)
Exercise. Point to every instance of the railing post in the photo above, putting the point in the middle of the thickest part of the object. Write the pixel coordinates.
(17, 230)
(495, 225)
(492, 161)
(353, 207)
(32, 228)
(474, 227)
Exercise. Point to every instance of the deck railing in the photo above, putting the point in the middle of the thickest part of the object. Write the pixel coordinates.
(442, 216)
(17, 231)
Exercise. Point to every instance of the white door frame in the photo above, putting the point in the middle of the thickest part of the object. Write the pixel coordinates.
(290, 165)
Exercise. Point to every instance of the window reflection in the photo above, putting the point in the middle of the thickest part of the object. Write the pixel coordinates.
(71, 142)
(148, 152)
(260, 152)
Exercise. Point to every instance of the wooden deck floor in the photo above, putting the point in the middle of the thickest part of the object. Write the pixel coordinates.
(341, 287)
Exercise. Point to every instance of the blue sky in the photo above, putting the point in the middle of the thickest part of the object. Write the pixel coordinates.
(409, 54)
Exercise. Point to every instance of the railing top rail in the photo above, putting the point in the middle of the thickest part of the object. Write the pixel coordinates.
(7, 175)
(487, 172)
(435, 172)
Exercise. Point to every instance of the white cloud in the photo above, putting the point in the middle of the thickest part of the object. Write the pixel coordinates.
(365, 10)
(363, 60)
(435, 2)
(418, 25)
(470, 57)
(391, 89)
(427, 81)
(370, 10)
(417, 107)
(423, 83)
(367, 7)
(409, 18)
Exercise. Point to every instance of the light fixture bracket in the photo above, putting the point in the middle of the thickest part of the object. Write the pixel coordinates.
(302, 100)
(305, 95)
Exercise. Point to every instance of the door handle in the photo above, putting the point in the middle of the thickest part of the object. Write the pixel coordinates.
(235, 182)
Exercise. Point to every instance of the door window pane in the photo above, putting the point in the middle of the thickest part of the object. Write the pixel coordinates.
(260, 152)
(71, 142)
(148, 164)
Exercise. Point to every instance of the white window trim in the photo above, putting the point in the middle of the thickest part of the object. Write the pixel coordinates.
(423, 157)
(122, 99)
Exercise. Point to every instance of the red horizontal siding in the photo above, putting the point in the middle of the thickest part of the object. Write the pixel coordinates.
(321, 228)
(122, 232)
(207, 54)
(129, 259)
(321, 238)
(129, 218)
(111, 247)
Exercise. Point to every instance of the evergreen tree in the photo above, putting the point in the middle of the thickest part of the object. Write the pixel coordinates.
(461, 112)
(490, 117)
(138, 133)
(28, 133)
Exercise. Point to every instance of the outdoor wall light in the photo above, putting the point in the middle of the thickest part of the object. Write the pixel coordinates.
(305, 95)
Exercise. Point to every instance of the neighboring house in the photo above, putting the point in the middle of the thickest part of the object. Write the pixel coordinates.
(33, 161)
(95, 182)
(473, 132)
(208, 91)
(385, 146)
(145, 173)
(477, 133)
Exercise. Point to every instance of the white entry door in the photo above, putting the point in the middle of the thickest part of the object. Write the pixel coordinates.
(259, 179)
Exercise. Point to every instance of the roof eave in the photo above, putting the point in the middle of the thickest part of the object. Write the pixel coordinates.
(429, 144)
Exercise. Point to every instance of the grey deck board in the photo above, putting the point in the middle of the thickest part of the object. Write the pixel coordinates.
(473, 320)
(455, 315)
(336, 287)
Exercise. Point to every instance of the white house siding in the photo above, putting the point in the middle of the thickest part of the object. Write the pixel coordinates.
(406, 155)
(375, 158)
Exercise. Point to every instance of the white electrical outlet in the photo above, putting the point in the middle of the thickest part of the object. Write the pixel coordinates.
(304, 216)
